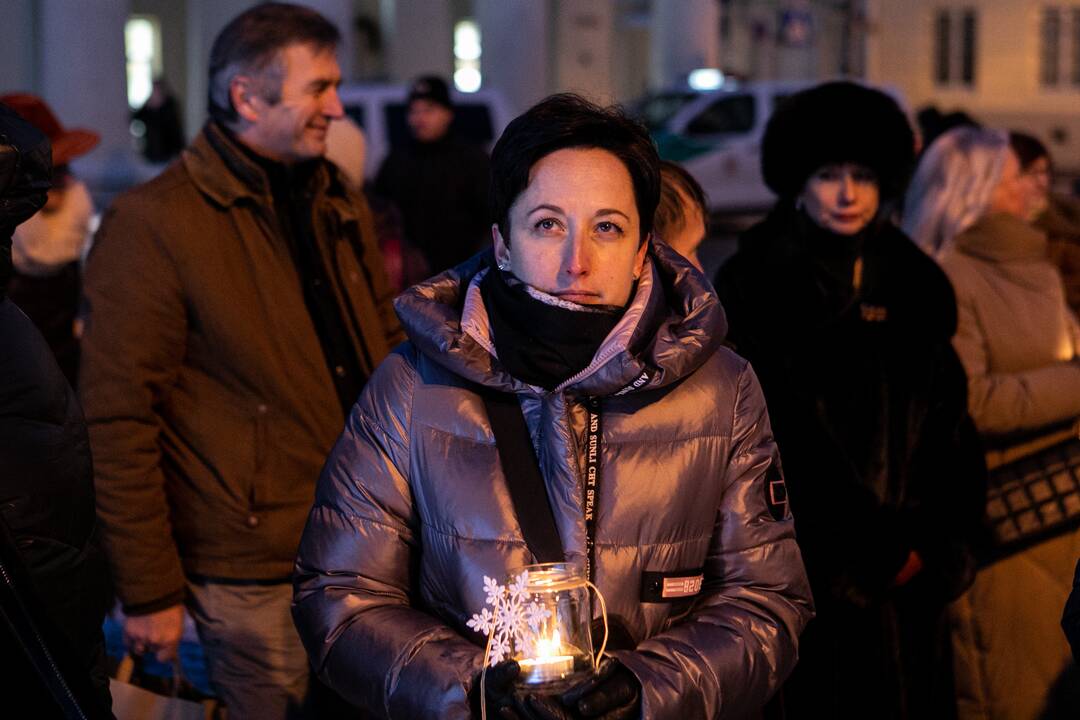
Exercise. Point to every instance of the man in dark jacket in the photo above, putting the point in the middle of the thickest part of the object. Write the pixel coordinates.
(438, 180)
(236, 307)
(53, 579)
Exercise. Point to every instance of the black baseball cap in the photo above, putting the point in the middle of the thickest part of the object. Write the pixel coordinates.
(433, 88)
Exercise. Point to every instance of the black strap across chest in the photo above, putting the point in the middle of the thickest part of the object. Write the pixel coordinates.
(528, 492)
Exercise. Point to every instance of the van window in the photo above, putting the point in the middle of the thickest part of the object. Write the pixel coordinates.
(656, 110)
(472, 121)
(732, 114)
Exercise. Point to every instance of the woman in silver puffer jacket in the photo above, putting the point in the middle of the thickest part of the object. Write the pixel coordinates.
(582, 310)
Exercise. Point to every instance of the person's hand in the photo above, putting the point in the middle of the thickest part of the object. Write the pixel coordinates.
(499, 697)
(911, 568)
(158, 632)
(613, 693)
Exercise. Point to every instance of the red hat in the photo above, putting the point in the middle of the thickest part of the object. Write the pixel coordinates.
(67, 143)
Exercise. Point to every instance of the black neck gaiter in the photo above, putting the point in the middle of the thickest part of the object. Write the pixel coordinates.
(538, 343)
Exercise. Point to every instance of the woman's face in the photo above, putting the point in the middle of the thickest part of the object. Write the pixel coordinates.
(686, 239)
(1037, 178)
(1012, 194)
(842, 198)
(574, 230)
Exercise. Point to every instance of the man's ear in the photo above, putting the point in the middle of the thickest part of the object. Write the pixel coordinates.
(245, 99)
(639, 259)
(502, 250)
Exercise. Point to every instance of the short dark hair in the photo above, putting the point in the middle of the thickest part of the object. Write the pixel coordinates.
(1028, 148)
(569, 121)
(250, 44)
(670, 213)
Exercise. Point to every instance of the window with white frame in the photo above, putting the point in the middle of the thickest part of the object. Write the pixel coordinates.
(956, 31)
(1059, 46)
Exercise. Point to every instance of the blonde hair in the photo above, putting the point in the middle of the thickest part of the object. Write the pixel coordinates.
(953, 185)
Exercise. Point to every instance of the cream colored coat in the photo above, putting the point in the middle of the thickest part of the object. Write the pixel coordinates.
(1016, 336)
(1018, 342)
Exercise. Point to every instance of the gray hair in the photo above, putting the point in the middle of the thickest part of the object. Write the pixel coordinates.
(251, 45)
(953, 185)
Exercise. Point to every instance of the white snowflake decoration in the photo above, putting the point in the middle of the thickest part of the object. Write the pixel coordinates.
(513, 619)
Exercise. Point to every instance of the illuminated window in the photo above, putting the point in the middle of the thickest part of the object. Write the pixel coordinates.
(467, 56)
(142, 45)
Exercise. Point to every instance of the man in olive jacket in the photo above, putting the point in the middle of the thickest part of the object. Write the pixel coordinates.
(236, 305)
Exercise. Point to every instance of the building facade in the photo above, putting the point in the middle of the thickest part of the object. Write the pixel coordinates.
(1008, 63)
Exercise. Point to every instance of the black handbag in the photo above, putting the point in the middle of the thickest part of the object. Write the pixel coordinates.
(1033, 492)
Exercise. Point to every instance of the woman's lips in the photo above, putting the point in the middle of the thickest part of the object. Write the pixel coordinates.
(847, 217)
(578, 296)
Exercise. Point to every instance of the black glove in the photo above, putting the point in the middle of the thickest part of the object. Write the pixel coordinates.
(614, 693)
(502, 702)
(619, 636)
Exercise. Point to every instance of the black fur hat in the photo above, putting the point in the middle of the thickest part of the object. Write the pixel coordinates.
(837, 122)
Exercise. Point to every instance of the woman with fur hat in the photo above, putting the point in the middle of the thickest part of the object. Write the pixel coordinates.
(848, 324)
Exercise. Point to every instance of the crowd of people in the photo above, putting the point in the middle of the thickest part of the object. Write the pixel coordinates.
(775, 478)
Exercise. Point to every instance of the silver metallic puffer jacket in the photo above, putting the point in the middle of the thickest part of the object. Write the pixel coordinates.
(412, 508)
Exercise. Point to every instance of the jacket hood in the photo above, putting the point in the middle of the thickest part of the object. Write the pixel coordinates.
(673, 324)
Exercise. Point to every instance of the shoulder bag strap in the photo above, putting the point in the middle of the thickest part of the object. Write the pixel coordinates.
(522, 470)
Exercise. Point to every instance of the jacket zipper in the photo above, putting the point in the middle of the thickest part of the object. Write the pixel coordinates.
(44, 649)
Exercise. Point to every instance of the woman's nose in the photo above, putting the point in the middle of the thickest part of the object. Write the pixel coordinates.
(578, 260)
(847, 189)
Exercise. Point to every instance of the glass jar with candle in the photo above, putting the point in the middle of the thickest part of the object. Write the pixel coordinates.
(557, 649)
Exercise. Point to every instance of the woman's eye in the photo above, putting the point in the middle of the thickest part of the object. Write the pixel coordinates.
(547, 225)
(608, 227)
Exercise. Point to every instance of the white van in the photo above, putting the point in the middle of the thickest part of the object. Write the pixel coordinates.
(716, 135)
(379, 109)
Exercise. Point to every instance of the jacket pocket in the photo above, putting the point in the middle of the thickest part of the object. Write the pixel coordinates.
(208, 445)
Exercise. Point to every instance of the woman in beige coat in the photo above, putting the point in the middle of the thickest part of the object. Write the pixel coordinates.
(969, 206)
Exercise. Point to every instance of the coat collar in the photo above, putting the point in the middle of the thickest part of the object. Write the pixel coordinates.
(673, 325)
(223, 172)
(1002, 237)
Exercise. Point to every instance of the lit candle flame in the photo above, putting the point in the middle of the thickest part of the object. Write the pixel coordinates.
(549, 647)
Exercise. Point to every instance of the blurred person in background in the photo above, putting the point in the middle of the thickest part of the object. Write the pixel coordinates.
(439, 181)
(54, 588)
(1056, 214)
(970, 205)
(47, 248)
(847, 323)
(157, 124)
(235, 307)
(346, 147)
(682, 213)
